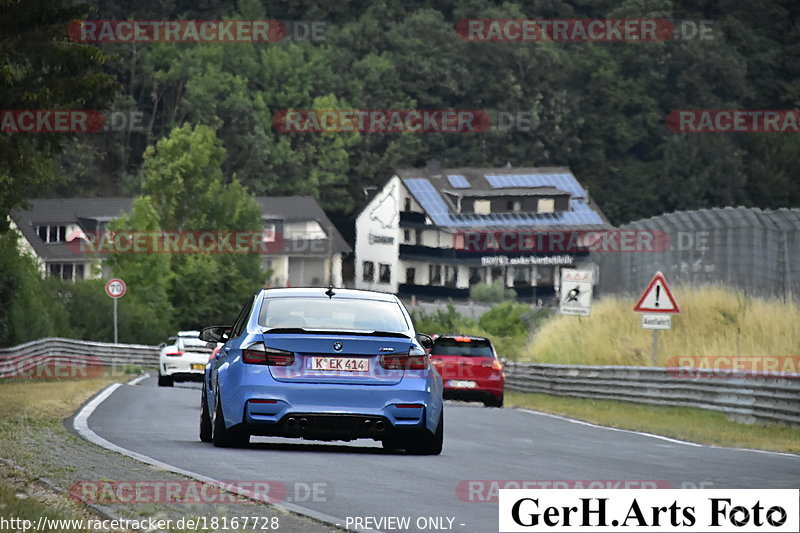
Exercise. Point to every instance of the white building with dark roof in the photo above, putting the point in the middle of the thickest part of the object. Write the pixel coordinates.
(410, 235)
(310, 253)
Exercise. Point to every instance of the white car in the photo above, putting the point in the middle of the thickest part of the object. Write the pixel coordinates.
(183, 359)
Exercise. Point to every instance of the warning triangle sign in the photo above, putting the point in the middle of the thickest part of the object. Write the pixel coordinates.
(657, 297)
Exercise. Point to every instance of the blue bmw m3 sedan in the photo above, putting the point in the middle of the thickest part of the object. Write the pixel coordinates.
(322, 364)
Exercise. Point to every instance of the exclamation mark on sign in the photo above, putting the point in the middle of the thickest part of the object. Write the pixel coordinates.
(658, 293)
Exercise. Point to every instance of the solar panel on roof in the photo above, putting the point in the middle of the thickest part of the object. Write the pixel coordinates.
(458, 181)
(565, 182)
(431, 201)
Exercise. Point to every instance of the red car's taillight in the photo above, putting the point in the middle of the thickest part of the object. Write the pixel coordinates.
(257, 354)
(405, 362)
(494, 365)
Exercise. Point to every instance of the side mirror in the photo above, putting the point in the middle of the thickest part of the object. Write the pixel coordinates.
(425, 341)
(163, 344)
(214, 334)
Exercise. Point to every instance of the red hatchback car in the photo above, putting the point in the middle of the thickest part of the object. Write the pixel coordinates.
(470, 369)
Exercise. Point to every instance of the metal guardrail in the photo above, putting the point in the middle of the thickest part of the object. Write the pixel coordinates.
(742, 396)
(45, 357)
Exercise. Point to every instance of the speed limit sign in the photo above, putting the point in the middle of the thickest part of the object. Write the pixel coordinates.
(116, 288)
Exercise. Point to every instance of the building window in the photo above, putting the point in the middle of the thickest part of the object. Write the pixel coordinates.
(475, 275)
(384, 273)
(407, 206)
(450, 276)
(66, 271)
(546, 205)
(369, 271)
(410, 274)
(513, 205)
(418, 236)
(521, 276)
(545, 275)
(435, 275)
(406, 235)
(482, 207)
(498, 274)
(52, 233)
(269, 232)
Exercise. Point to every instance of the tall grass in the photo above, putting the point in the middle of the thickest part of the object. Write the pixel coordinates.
(714, 321)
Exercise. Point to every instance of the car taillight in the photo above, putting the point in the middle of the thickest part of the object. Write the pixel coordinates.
(257, 354)
(494, 365)
(405, 362)
(173, 354)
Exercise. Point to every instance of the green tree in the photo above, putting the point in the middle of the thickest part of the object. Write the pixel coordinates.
(32, 308)
(185, 191)
(43, 69)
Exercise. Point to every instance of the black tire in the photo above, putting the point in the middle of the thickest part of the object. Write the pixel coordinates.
(392, 444)
(223, 437)
(493, 401)
(428, 443)
(205, 419)
(165, 381)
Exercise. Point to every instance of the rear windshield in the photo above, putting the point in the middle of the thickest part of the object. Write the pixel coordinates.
(193, 345)
(466, 346)
(330, 314)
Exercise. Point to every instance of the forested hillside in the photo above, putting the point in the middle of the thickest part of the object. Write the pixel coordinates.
(600, 108)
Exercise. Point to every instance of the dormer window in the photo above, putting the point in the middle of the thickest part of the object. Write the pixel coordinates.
(52, 233)
(483, 207)
(269, 232)
(546, 205)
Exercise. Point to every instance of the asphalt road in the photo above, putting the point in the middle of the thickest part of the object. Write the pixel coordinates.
(360, 479)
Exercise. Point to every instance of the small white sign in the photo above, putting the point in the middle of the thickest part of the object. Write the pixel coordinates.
(657, 321)
(576, 292)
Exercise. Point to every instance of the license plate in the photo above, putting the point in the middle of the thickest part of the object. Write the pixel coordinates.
(462, 384)
(198, 366)
(339, 364)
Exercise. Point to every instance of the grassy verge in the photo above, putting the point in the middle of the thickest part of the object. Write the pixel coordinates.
(683, 423)
(27, 406)
(30, 408)
(18, 506)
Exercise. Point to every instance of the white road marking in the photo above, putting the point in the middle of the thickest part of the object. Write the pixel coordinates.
(81, 425)
(651, 435)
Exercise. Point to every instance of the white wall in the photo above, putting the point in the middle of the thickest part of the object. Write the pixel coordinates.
(380, 221)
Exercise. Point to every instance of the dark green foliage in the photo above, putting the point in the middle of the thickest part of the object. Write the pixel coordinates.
(598, 107)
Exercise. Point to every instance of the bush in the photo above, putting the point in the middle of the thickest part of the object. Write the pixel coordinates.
(504, 324)
(492, 293)
(505, 319)
(29, 309)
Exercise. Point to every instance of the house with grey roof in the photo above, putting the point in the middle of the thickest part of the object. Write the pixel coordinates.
(413, 237)
(309, 253)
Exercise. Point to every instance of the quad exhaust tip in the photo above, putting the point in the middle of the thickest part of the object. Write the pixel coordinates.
(379, 425)
(303, 423)
(290, 423)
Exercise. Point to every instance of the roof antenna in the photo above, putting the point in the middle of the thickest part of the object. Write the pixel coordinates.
(329, 293)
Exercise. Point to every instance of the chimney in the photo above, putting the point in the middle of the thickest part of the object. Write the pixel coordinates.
(433, 168)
